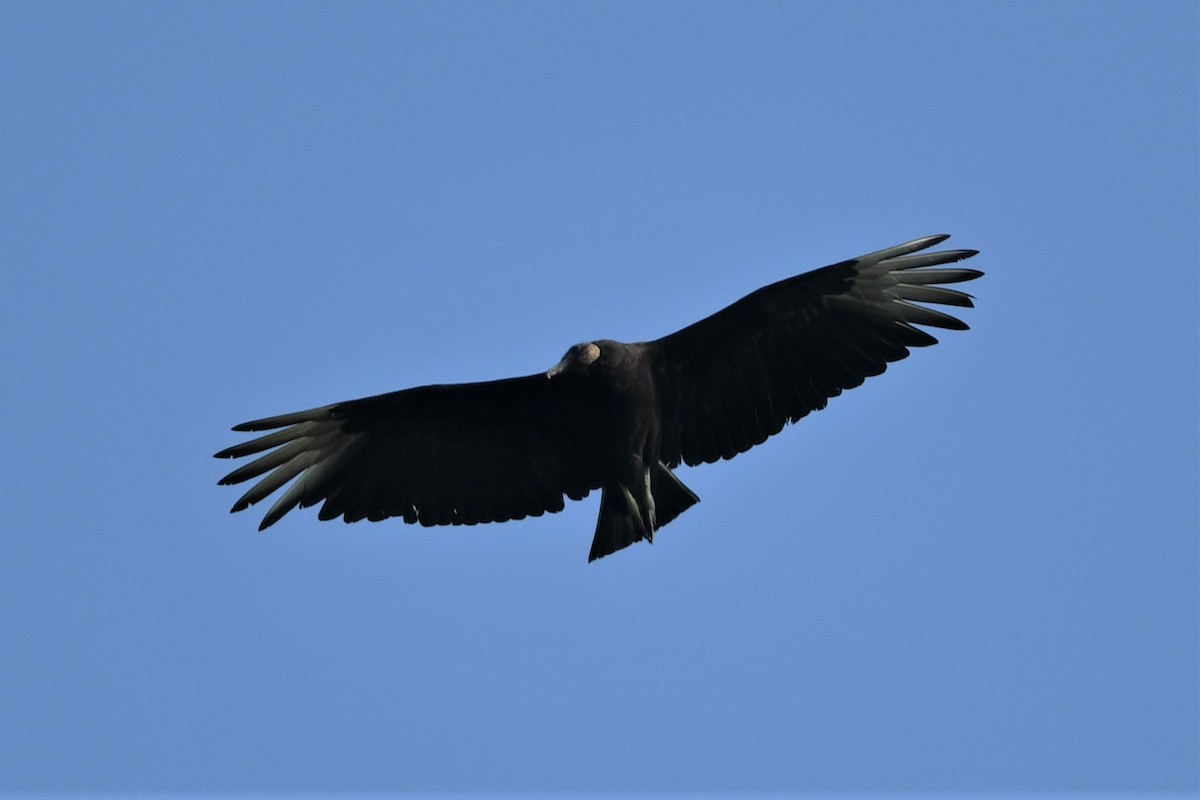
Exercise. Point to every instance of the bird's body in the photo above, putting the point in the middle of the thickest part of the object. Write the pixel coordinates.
(610, 416)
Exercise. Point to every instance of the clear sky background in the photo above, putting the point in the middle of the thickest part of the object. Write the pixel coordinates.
(977, 572)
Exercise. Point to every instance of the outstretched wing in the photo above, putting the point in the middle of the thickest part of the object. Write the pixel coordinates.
(729, 381)
(438, 455)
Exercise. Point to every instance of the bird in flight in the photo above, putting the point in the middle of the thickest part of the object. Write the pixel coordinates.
(610, 416)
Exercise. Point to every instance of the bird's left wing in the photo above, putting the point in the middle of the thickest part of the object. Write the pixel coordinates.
(731, 380)
(439, 455)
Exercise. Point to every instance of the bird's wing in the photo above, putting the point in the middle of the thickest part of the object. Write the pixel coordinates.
(728, 382)
(438, 455)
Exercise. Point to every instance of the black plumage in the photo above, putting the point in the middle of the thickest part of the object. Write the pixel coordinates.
(610, 416)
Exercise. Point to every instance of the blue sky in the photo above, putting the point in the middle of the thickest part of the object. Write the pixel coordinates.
(977, 572)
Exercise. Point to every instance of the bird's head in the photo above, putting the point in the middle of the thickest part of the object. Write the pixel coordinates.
(577, 360)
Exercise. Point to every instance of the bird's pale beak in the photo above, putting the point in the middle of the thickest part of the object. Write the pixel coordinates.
(558, 368)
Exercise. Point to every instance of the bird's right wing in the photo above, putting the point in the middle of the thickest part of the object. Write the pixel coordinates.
(731, 380)
(439, 455)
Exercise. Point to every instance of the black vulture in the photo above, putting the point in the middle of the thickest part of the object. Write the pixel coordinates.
(610, 416)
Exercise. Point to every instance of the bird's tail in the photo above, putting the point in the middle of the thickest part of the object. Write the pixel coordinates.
(671, 497)
(622, 522)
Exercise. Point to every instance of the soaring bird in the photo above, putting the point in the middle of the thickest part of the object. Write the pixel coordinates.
(610, 416)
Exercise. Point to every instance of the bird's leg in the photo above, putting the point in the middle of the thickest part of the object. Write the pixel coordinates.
(631, 504)
(641, 506)
(649, 518)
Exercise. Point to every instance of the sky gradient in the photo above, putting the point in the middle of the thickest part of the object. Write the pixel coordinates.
(978, 571)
